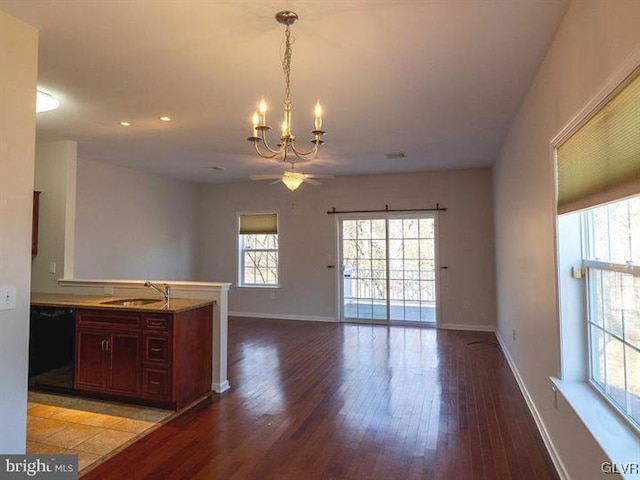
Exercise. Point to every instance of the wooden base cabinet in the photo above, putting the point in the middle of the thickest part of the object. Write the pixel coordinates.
(161, 359)
(106, 361)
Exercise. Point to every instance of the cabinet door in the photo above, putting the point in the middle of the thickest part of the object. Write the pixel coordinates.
(90, 364)
(123, 353)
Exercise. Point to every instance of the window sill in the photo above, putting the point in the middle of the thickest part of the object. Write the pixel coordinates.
(260, 287)
(619, 441)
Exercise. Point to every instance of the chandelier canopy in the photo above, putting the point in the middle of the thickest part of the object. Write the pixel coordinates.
(287, 144)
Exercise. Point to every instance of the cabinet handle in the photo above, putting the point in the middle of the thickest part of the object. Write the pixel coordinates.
(108, 345)
(153, 323)
(156, 349)
(154, 383)
(102, 345)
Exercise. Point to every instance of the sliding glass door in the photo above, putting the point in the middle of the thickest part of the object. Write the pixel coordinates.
(388, 268)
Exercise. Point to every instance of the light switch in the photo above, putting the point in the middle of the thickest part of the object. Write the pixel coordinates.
(7, 297)
(52, 267)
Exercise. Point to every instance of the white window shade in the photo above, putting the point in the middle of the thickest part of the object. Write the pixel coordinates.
(263, 224)
(600, 162)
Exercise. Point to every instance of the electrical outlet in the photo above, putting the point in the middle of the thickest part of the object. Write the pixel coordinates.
(7, 297)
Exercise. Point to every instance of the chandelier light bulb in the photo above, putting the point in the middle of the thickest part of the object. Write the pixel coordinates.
(255, 120)
(318, 114)
(262, 108)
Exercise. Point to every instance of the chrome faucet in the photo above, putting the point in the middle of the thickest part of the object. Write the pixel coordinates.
(166, 292)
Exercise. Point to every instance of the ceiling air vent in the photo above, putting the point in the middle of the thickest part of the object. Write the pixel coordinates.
(395, 155)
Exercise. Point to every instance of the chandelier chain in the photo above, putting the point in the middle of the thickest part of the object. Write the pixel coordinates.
(286, 61)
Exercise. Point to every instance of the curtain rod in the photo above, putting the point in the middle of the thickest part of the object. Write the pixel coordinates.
(333, 210)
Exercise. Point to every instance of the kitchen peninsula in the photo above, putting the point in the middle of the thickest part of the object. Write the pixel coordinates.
(141, 350)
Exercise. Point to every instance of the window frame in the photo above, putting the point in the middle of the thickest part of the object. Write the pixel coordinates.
(241, 250)
(590, 264)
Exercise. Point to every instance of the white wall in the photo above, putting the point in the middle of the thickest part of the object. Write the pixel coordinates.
(134, 225)
(55, 178)
(308, 239)
(595, 37)
(18, 73)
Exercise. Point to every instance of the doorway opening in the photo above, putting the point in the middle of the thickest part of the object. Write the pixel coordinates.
(388, 269)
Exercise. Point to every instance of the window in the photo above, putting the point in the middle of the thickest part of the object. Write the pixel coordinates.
(258, 247)
(598, 168)
(612, 260)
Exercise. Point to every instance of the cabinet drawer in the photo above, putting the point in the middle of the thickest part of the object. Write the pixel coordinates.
(156, 349)
(159, 323)
(103, 319)
(156, 383)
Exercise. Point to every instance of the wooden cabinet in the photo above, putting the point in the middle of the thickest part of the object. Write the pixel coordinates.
(108, 352)
(157, 358)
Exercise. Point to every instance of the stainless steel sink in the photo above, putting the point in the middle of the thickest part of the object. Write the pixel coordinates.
(131, 302)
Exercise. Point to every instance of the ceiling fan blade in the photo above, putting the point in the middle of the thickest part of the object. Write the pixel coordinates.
(315, 183)
(265, 176)
(275, 181)
(318, 175)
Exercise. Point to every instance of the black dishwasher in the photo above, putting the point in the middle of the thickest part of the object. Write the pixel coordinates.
(51, 348)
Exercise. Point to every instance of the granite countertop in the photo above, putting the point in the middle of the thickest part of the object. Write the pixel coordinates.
(90, 301)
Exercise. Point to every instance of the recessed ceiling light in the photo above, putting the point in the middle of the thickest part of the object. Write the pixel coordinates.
(125, 124)
(164, 118)
(45, 102)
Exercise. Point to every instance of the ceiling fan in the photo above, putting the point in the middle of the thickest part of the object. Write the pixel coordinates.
(291, 178)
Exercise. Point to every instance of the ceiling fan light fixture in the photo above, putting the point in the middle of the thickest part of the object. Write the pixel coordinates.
(45, 102)
(293, 180)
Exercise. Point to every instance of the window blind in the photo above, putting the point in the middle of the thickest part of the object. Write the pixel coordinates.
(266, 223)
(600, 162)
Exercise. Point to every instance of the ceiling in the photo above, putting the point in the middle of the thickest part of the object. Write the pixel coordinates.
(439, 81)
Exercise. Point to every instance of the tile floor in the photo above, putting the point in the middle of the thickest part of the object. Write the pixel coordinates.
(91, 429)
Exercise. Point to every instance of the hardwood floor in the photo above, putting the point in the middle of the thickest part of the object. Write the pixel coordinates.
(340, 401)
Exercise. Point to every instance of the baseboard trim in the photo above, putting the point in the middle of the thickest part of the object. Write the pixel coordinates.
(546, 438)
(473, 328)
(221, 387)
(312, 318)
(280, 316)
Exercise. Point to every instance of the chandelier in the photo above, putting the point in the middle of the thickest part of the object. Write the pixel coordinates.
(287, 143)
